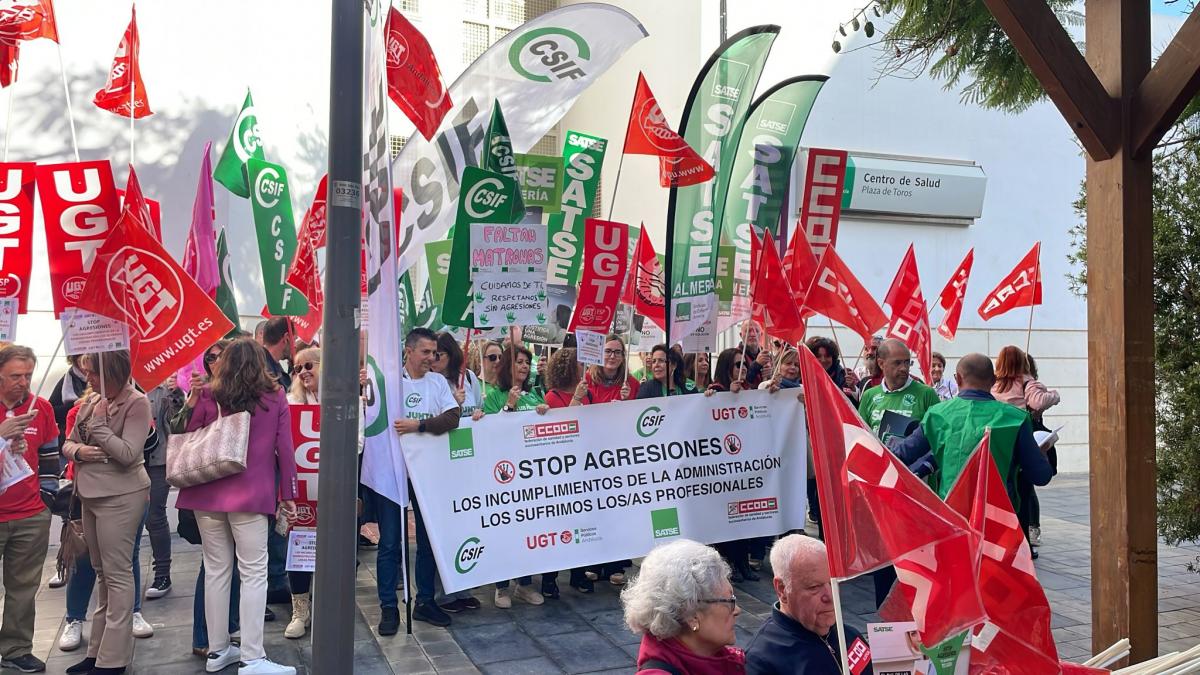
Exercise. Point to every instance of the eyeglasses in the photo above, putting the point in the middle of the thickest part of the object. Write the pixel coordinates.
(211, 358)
(614, 352)
(492, 357)
(731, 601)
(305, 366)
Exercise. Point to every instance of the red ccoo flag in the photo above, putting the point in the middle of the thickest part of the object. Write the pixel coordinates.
(649, 133)
(414, 79)
(644, 282)
(836, 293)
(910, 316)
(1021, 288)
(952, 297)
(124, 87)
(27, 20)
(771, 295)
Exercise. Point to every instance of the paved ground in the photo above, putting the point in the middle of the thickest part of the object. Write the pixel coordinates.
(585, 634)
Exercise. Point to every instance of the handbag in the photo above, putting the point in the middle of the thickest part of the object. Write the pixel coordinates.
(72, 545)
(210, 453)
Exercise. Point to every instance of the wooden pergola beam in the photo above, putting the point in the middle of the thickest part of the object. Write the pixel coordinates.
(1070, 83)
(1171, 84)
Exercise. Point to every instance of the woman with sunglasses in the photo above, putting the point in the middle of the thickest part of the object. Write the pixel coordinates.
(513, 393)
(611, 381)
(489, 366)
(731, 377)
(305, 390)
(683, 606)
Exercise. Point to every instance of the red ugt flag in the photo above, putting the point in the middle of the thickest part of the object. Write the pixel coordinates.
(1017, 636)
(27, 20)
(799, 265)
(124, 87)
(414, 79)
(1021, 288)
(644, 283)
(303, 274)
(649, 133)
(16, 228)
(137, 208)
(836, 293)
(952, 297)
(910, 316)
(771, 296)
(171, 319)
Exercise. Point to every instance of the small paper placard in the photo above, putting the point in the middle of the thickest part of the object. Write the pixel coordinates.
(589, 347)
(8, 319)
(85, 332)
(302, 550)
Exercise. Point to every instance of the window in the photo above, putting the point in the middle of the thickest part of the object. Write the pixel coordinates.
(409, 6)
(475, 41)
(397, 144)
(547, 145)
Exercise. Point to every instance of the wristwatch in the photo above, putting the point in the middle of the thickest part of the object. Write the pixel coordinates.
(508, 408)
(421, 427)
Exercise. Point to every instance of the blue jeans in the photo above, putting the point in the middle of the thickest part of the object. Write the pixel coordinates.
(199, 624)
(83, 580)
(387, 560)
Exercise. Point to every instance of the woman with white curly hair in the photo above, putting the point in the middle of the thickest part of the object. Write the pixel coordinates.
(682, 604)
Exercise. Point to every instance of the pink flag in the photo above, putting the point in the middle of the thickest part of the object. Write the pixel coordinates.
(200, 253)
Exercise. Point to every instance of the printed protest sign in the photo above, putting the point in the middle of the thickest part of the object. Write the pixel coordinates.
(509, 298)
(85, 333)
(487, 198)
(560, 300)
(605, 256)
(541, 181)
(519, 494)
(589, 347)
(8, 319)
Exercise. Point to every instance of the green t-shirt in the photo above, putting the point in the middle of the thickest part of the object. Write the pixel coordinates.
(495, 400)
(911, 400)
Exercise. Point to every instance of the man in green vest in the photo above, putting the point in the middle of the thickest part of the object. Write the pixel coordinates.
(950, 431)
(898, 393)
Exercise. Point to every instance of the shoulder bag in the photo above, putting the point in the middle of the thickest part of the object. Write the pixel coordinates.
(210, 453)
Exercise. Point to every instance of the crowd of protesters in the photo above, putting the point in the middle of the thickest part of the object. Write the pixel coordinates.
(95, 454)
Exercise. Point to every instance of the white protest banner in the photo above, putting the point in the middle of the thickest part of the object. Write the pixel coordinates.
(508, 248)
(521, 493)
(589, 347)
(509, 298)
(85, 332)
(8, 318)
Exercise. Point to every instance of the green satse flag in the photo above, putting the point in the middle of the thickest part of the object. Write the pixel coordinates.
(540, 178)
(437, 258)
(758, 179)
(412, 317)
(486, 198)
(244, 143)
(712, 124)
(226, 300)
(945, 654)
(498, 156)
(583, 156)
(275, 226)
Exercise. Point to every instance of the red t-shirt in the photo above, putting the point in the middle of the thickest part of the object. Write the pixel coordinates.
(607, 393)
(24, 499)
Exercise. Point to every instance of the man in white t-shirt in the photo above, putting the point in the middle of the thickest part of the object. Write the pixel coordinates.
(429, 407)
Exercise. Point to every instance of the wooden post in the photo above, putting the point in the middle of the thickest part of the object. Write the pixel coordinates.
(1121, 348)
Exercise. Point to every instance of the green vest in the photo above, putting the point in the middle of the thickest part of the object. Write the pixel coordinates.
(955, 427)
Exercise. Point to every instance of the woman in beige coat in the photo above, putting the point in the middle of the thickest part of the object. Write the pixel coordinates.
(112, 485)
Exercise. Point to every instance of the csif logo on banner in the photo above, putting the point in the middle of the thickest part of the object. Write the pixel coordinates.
(246, 139)
(650, 421)
(468, 555)
(488, 193)
(147, 290)
(550, 52)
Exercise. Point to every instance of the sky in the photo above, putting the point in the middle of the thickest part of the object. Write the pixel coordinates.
(1177, 8)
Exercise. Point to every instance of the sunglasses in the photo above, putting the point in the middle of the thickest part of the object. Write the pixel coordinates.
(492, 357)
(212, 358)
(304, 366)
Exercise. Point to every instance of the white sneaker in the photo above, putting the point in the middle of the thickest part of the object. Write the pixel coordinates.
(218, 660)
(57, 581)
(141, 628)
(503, 599)
(528, 594)
(1035, 536)
(72, 636)
(265, 666)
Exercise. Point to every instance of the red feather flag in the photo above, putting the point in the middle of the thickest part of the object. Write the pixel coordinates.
(644, 282)
(910, 316)
(124, 87)
(649, 133)
(414, 79)
(1021, 288)
(303, 274)
(800, 265)
(837, 293)
(771, 296)
(953, 295)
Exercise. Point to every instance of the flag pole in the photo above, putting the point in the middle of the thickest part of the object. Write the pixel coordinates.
(132, 101)
(8, 119)
(67, 92)
(841, 624)
(1037, 280)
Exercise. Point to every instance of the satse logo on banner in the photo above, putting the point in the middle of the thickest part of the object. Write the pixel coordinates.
(550, 52)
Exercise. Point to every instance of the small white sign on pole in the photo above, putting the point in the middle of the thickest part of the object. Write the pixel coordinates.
(85, 332)
(589, 347)
(302, 551)
(8, 319)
